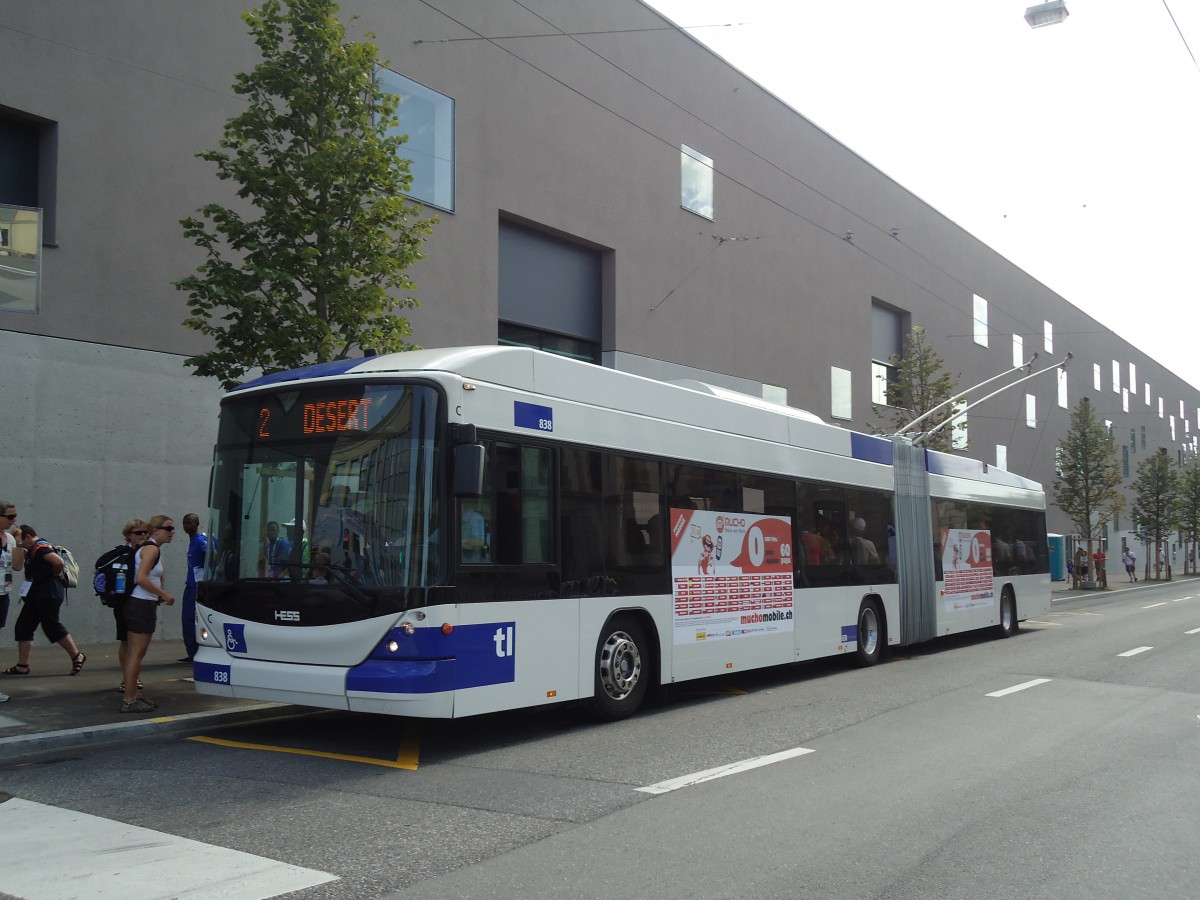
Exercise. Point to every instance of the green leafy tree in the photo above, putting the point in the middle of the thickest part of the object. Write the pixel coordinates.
(1189, 507)
(922, 383)
(1087, 477)
(1156, 501)
(312, 263)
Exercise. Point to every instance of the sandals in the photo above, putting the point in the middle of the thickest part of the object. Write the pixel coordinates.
(137, 705)
(122, 687)
(77, 662)
(18, 669)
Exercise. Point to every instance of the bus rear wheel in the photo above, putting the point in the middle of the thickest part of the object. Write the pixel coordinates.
(621, 669)
(1008, 615)
(870, 634)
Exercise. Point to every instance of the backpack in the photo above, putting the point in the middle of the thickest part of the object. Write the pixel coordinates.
(70, 572)
(114, 576)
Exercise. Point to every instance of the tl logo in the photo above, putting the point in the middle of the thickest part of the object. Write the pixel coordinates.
(504, 639)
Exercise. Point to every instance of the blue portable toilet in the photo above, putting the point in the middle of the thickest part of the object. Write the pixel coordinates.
(1058, 557)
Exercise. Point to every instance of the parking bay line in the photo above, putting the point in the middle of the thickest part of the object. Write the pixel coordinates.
(406, 759)
(1018, 687)
(674, 784)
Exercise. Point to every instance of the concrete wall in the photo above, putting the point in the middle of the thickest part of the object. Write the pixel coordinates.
(95, 436)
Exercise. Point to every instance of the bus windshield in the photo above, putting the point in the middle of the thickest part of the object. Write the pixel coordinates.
(331, 485)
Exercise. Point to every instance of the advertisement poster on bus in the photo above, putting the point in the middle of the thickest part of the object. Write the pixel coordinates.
(731, 575)
(967, 568)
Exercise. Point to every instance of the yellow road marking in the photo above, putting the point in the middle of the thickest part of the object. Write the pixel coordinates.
(407, 758)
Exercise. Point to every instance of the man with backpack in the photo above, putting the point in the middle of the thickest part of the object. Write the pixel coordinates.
(42, 596)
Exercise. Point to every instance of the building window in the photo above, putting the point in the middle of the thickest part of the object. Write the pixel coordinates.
(29, 166)
(1132, 378)
(1062, 389)
(1161, 410)
(1125, 400)
(1172, 428)
(1048, 332)
(20, 259)
(887, 345)
(1132, 441)
(1124, 462)
(1001, 457)
(1147, 393)
(1182, 413)
(839, 399)
(1143, 437)
(550, 293)
(1018, 351)
(981, 321)
(1116, 377)
(427, 118)
(1030, 411)
(696, 177)
(1096, 376)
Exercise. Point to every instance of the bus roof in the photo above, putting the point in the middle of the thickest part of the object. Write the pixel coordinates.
(687, 401)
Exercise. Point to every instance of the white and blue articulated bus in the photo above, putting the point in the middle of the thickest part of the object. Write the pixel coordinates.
(445, 533)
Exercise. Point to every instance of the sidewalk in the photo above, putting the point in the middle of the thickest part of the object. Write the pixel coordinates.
(50, 709)
(1117, 582)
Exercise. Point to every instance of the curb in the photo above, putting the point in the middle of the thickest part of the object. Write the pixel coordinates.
(16, 747)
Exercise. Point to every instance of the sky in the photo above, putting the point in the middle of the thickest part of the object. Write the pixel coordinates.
(1072, 150)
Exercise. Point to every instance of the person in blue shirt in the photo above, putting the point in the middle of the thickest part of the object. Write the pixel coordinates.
(196, 552)
(276, 552)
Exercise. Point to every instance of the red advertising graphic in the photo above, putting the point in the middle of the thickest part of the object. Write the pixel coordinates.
(731, 575)
(967, 568)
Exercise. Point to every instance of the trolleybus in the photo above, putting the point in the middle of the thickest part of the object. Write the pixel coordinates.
(445, 533)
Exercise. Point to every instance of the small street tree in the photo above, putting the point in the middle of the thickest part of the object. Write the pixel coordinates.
(1088, 475)
(921, 384)
(1189, 508)
(312, 264)
(1156, 503)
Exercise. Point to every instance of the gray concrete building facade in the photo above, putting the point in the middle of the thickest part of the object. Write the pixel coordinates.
(606, 186)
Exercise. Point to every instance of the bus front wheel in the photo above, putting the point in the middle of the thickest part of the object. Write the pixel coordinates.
(621, 669)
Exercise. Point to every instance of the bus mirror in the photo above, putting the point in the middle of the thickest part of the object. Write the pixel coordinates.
(468, 470)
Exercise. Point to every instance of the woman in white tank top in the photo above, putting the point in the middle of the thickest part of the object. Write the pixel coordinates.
(140, 610)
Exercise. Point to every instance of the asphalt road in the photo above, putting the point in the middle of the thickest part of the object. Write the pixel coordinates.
(1048, 765)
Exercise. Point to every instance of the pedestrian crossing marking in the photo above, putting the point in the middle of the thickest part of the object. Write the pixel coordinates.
(111, 859)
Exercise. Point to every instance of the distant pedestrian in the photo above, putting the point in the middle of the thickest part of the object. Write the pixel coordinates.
(140, 610)
(196, 552)
(1100, 561)
(1129, 558)
(42, 596)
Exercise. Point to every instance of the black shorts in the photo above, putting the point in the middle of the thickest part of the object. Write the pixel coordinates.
(140, 616)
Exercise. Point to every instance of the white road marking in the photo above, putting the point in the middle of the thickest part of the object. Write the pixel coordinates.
(1135, 651)
(1018, 687)
(55, 854)
(745, 765)
(1040, 622)
(1193, 631)
(1155, 605)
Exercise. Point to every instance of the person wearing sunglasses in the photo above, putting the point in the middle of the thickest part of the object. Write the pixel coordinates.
(135, 533)
(12, 556)
(140, 611)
